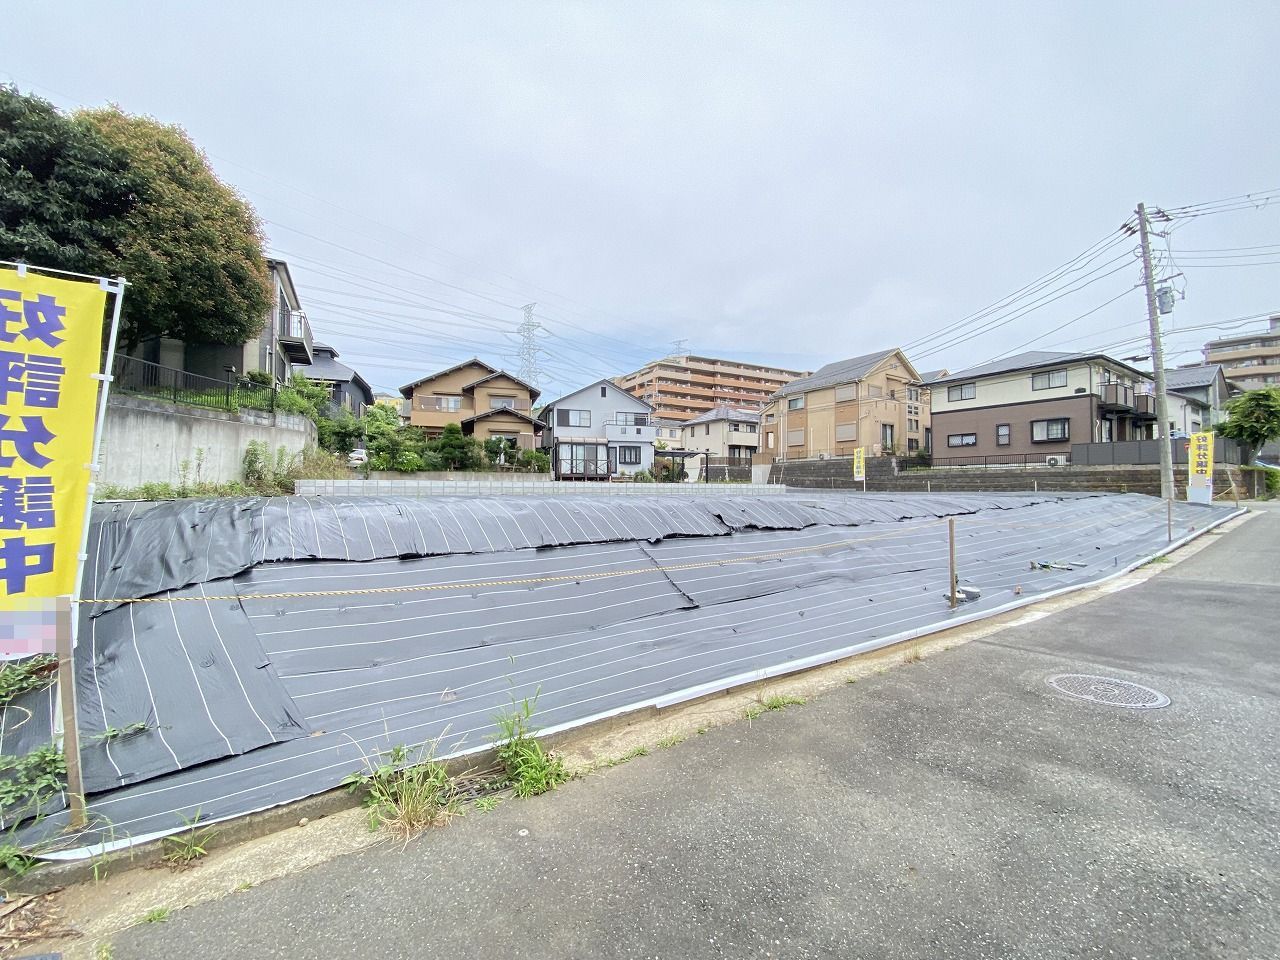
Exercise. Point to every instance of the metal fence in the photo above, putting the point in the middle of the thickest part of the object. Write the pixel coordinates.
(144, 378)
(1147, 452)
(1019, 461)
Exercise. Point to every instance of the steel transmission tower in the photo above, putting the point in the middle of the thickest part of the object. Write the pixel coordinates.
(528, 331)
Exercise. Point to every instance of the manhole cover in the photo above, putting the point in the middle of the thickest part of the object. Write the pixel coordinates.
(1108, 690)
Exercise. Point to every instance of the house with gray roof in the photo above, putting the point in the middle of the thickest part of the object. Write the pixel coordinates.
(1205, 382)
(347, 389)
(875, 402)
(723, 431)
(1035, 405)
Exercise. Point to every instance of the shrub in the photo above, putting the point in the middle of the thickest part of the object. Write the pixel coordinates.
(642, 476)
(529, 769)
(534, 461)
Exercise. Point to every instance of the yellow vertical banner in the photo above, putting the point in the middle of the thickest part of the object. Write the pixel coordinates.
(1200, 468)
(859, 465)
(50, 349)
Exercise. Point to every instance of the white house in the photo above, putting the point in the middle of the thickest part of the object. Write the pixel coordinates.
(723, 431)
(598, 432)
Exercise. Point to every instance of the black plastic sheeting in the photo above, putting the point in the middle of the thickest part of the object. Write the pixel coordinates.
(297, 636)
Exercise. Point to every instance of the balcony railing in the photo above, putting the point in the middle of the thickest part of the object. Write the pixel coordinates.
(1117, 395)
(439, 404)
(1144, 405)
(295, 337)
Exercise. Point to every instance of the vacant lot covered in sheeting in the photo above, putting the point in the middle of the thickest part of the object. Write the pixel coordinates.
(239, 654)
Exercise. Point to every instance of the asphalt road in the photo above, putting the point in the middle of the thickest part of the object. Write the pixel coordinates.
(956, 807)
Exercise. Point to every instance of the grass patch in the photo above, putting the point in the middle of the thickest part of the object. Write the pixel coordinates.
(105, 951)
(27, 782)
(184, 849)
(912, 654)
(406, 798)
(619, 760)
(777, 701)
(672, 739)
(158, 915)
(244, 885)
(15, 861)
(529, 769)
(487, 804)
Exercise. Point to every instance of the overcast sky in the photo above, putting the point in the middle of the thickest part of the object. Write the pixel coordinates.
(784, 183)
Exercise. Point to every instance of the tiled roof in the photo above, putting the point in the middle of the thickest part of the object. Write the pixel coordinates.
(842, 371)
(1186, 378)
(724, 412)
(1031, 360)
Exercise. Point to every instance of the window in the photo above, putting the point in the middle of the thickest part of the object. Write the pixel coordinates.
(769, 418)
(1048, 380)
(706, 430)
(795, 438)
(846, 393)
(962, 440)
(913, 394)
(795, 403)
(913, 445)
(502, 403)
(448, 403)
(631, 419)
(962, 391)
(846, 432)
(769, 439)
(913, 426)
(1047, 431)
(604, 391)
(573, 418)
(629, 456)
(1002, 435)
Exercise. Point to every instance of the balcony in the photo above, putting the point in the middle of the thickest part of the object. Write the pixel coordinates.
(429, 404)
(1116, 396)
(1144, 406)
(295, 337)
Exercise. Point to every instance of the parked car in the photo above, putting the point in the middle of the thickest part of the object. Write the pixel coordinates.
(357, 458)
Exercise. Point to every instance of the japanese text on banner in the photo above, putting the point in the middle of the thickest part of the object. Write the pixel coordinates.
(50, 347)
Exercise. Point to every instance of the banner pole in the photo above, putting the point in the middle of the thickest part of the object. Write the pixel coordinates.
(68, 619)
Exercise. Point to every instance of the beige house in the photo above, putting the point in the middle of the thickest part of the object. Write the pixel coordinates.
(875, 402)
(485, 401)
(723, 432)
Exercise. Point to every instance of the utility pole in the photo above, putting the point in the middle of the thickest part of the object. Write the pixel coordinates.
(1157, 360)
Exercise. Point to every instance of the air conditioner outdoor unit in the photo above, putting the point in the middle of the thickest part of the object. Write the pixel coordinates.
(1054, 461)
(823, 456)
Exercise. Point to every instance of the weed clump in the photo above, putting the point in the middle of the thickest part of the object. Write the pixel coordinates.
(406, 798)
(185, 848)
(529, 769)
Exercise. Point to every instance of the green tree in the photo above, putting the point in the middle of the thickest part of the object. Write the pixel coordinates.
(1253, 419)
(66, 193)
(191, 248)
(456, 451)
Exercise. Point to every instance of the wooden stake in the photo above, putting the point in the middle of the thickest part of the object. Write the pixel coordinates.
(951, 537)
(1169, 504)
(67, 700)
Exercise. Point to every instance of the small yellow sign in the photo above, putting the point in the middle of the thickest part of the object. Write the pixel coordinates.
(859, 464)
(50, 349)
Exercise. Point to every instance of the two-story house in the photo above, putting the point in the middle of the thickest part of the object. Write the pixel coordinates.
(875, 402)
(1205, 382)
(598, 432)
(347, 389)
(283, 343)
(724, 431)
(485, 401)
(1038, 404)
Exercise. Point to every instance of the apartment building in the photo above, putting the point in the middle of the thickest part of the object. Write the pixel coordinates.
(723, 432)
(1249, 360)
(485, 401)
(598, 432)
(681, 388)
(1037, 404)
(876, 402)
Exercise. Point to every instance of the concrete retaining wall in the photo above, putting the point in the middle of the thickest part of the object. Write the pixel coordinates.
(146, 441)
(474, 487)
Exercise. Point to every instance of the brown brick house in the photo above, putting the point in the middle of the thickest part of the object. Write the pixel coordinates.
(485, 401)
